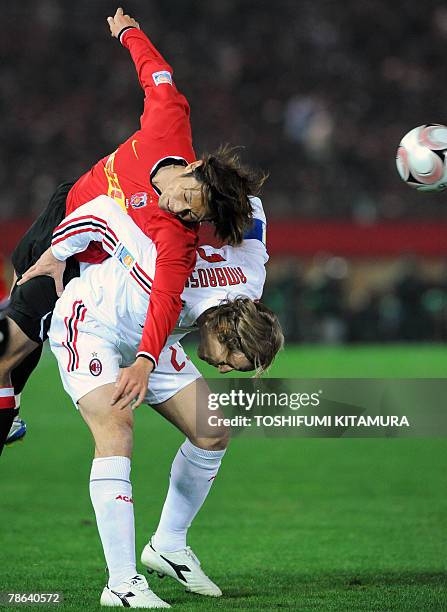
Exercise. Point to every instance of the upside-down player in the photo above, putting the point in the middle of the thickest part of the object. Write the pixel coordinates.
(153, 175)
(92, 334)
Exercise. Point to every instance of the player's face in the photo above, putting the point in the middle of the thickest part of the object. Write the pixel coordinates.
(217, 354)
(183, 197)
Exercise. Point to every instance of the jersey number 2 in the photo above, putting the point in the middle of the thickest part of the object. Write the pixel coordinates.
(175, 364)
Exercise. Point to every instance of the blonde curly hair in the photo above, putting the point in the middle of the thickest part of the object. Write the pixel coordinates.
(249, 327)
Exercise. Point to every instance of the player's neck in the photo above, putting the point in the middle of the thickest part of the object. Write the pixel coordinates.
(165, 175)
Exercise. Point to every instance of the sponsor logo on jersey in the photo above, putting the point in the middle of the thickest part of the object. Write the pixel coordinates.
(95, 367)
(134, 142)
(114, 188)
(163, 76)
(138, 200)
(125, 258)
(125, 498)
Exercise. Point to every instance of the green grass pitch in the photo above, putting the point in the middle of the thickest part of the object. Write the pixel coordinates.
(297, 524)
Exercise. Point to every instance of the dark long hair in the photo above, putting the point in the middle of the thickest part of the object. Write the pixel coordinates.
(226, 185)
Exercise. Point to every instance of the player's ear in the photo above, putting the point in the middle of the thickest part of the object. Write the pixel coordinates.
(194, 165)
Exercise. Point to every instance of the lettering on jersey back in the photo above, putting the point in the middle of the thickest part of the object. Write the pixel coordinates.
(216, 277)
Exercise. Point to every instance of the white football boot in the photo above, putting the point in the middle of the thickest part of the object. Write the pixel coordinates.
(132, 593)
(183, 566)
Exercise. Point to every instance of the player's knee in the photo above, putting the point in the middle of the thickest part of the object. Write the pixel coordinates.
(122, 429)
(219, 441)
(113, 436)
(5, 360)
(7, 364)
(119, 421)
(108, 425)
(19, 346)
(7, 353)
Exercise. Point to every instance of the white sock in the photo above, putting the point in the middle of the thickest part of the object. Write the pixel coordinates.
(111, 495)
(192, 474)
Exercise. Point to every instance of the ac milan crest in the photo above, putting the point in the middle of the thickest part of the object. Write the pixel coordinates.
(95, 367)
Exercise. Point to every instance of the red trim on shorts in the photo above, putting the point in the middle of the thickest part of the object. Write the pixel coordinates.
(72, 326)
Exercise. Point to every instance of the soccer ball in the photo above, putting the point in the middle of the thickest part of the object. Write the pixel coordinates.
(421, 157)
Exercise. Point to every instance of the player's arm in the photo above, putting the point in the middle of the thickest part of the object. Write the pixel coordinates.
(145, 56)
(175, 261)
(96, 221)
(175, 247)
(164, 107)
(99, 220)
(258, 228)
(163, 312)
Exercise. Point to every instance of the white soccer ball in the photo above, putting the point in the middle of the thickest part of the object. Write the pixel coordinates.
(421, 157)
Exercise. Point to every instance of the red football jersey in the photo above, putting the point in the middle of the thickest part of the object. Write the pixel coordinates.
(126, 175)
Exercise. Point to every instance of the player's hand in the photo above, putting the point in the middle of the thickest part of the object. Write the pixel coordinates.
(47, 265)
(132, 383)
(120, 21)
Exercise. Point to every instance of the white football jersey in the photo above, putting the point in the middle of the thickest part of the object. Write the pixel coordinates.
(225, 273)
(116, 293)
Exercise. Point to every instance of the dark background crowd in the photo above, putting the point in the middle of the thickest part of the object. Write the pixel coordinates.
(409, 304)
(318, 92)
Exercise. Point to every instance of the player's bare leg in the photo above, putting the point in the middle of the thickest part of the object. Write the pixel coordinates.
(111, 428)
(111, 495)
(181, 411)
(18, 348)
(192, 474)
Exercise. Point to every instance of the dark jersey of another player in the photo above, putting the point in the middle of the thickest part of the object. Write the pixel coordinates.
(126, 175)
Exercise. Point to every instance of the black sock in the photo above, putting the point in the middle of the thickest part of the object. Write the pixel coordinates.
(6, 418)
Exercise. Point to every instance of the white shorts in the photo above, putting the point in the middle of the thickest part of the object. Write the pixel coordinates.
(87, 361)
